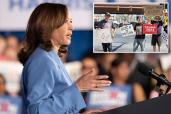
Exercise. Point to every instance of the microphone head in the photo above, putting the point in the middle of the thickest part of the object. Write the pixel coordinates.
(144, 69)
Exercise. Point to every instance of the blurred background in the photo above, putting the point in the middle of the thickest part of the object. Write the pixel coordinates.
(129, 85)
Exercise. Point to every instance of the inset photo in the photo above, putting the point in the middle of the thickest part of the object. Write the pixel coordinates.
(130, 28)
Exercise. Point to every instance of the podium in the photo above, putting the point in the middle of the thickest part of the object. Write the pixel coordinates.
(159, 105)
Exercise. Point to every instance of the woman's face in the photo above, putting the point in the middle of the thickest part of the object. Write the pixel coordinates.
(121, 71)
(2, 86)
(169, 74)
(62, 35)
(88, 64)
(139, 19)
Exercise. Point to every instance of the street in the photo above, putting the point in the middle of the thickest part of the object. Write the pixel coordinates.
(122, 44)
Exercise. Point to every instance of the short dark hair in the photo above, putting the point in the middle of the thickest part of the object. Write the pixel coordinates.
(107, 14)
(117, 62)
(138, 17)
(3, 78)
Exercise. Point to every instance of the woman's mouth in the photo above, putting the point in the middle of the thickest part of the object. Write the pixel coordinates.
(69, 36)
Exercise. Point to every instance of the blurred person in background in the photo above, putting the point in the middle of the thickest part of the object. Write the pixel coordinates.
(9, 103)
(47, 87)
(168, 76)
(134, 75)
(89, 63)
(104, 62)
(12, 48)
(120, 75)
(2, 44)
(3, 90)
(64, 57)
(10, 67)
(2, 47)
(120, 93)
(155, 93)
(12, 43)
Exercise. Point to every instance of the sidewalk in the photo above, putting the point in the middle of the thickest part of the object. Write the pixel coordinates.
(125, 45)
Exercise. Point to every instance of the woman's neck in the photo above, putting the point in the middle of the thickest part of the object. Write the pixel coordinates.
(55, 46)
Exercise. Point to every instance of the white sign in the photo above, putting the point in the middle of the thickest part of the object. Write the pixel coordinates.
(14, 14)
(113, 96)
(127, 30)
(104, 35)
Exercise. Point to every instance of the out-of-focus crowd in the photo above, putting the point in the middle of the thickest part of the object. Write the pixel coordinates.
(128, 84)
(9, 47)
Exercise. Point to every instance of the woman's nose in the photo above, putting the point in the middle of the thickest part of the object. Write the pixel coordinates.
(70, 26)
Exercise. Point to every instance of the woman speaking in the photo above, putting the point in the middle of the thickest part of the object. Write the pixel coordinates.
(47, 87)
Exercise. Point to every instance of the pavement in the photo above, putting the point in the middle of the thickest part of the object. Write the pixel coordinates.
(122, 44)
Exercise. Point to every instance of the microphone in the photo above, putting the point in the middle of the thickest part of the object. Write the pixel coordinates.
(147, 71)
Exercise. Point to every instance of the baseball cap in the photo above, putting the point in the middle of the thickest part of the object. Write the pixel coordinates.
(107, 14)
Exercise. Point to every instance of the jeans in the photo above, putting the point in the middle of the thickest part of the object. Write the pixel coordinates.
(107, 47)
(138, 42)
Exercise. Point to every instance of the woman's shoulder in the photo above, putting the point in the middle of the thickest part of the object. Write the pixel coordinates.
(39, 57)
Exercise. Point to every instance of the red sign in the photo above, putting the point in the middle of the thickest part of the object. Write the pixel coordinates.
(150, 28)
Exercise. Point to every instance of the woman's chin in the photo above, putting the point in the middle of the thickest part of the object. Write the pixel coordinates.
(68, 42)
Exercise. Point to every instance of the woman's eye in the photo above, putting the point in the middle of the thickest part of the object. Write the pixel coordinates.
(68, 20)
